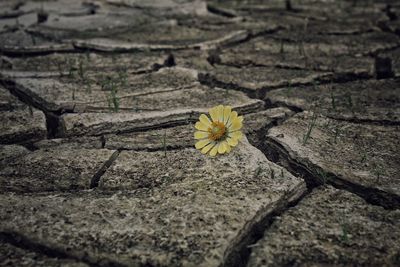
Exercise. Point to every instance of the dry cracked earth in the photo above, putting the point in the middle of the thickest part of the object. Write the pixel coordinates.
(97, 105)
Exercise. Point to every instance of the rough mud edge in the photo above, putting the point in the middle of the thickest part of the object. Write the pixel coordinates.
(220, 11)
(238, 253)
(96, 177)
(52, 117)
(378, 51)
(365, 121)
(25, 95)
(23, 242)
(280, 155)
(251, 35)
(278, 104)
(37, 50)
(210, 81)
(295, 109)
(287, 66)
(155, 149)
(173, 118)
(162, 125)
(107, 45)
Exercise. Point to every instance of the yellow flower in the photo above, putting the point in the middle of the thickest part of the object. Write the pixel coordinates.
(220, 133)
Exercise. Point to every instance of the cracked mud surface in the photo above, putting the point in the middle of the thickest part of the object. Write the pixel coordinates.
(98, 101)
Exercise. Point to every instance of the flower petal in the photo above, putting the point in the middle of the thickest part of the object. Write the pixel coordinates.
(207, 148)
(232, 117)
(214, 150)
(202, 143)
(205, 120)
(213, 113)
(228, 148)
(232, 141)
(236, 135)
(227, 113)
(222, 147)
(236, 125)
(220, 113)
(200, 126)
(200, 135)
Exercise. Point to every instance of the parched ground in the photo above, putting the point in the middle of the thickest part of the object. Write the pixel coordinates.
(98, 100)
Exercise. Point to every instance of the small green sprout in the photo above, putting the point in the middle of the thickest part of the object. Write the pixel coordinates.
(163, 141)
(322, 176)
(81, 70)
(113, 100)
(349, 101)
(344, 236)
(310, 128)
(337, 133)
(333, 103)
(289, 89)
(258, 171)
(30, 111)
(378, 171)
(364, 157)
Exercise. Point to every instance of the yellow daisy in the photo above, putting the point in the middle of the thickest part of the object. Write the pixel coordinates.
(220, 133)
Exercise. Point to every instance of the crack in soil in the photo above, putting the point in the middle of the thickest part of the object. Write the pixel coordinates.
(25, 243)
(278, 154)
(220, 12)
(96, 177)
(238, 254)
(209, 80)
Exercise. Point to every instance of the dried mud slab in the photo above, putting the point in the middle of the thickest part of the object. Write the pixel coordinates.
(255, 124)
(394, 57)
(81, 64)
(369, 101)
(61, 27)
(192, 210)
(19, 123)
(8, 101)
(192, 59)
(106, 123)
(311, 50)
(133, 32)
(170, 138)
(331, 227)
(21, 42)
(182, 136)
(255, 80)
(88, 142)
(62, 7)
(162, 38)
(106, 91)
(253, 26)
(9, 152)
(53, 170)
(151, 140)
(166, 8)
(11, 255)
(9, 9)
(24, 20)
(339, 17)
(266, 51)
(364, 44)
(361, 158)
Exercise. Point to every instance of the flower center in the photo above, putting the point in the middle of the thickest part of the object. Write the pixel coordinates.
(216, 131)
